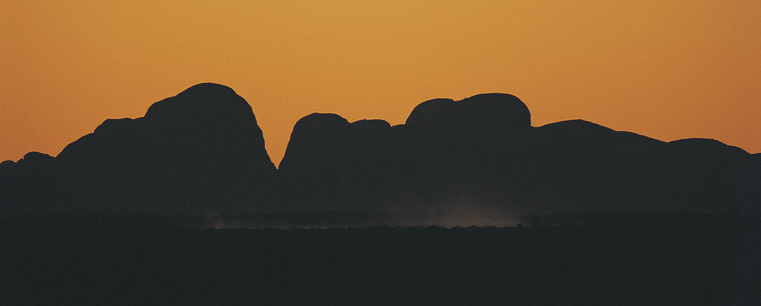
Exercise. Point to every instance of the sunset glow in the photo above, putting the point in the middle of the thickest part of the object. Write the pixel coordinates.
(664, 69)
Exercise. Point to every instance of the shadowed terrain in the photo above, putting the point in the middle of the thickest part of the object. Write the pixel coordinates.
(612, 259)
(464, 203)
(200, 151)
(481, 153)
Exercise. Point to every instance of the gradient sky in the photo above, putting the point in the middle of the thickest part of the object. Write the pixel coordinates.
(664, 69)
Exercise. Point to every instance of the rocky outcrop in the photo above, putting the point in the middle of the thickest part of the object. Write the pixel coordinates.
(331, 164)
(493, 111)
(708, 175)
(198, 152)
(482, 154)
(203, 152)
(31, 183)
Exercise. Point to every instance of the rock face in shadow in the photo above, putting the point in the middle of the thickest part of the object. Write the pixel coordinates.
(485, 112)
(29, 183)
(198, 152)
(448, 152)
(330, 164)
(202, 152)
(482, 155)
(710, 175)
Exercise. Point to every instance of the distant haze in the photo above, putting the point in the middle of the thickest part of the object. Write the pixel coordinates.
(668, 70)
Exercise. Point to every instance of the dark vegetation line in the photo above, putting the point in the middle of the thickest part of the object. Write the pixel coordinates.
(679, 259)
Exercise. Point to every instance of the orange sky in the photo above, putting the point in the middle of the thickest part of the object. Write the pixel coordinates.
(665, 69)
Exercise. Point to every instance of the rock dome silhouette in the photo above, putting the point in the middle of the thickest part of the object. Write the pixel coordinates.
(202, 151)
(199, 151)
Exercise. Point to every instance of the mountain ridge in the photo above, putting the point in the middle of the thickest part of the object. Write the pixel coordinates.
(202, 152)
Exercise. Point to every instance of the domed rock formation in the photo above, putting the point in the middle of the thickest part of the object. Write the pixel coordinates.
(444, 150)
(494, 110)
(482, 153)
(316, 140)
(32, 182)
(708, 175)
(200, 151)
(331, 164)
(464, 149)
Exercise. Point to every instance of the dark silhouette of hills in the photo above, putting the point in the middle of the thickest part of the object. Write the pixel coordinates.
(482, 154)
(203, 152)
(330, 164)
(200, 151)
(123, 215)
(29, 185)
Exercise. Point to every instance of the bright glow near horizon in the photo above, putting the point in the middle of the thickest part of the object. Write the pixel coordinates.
(664, 69)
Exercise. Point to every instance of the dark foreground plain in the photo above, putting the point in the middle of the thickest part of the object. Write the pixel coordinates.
(604, 259)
